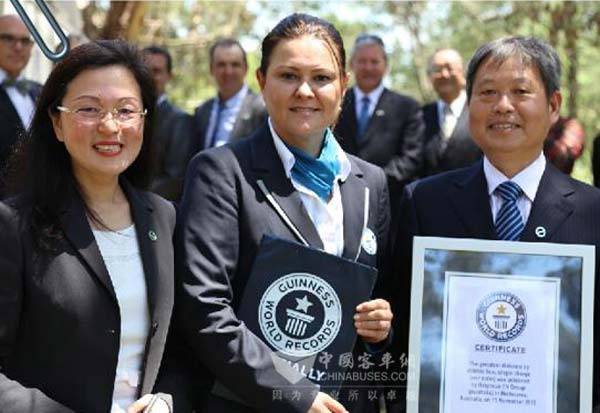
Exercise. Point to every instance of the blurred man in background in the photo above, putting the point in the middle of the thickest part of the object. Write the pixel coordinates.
(448, 143)
(236, 111)
(172, 129)
(17, 94)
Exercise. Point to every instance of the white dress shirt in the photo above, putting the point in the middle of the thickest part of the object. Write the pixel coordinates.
(121, 254)
(227, 118)
(328, 217)
(373, 96)
(24, 104)
(456, 107)
(162, 98)
(528, 179)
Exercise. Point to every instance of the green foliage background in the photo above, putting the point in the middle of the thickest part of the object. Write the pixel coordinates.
(412, 32)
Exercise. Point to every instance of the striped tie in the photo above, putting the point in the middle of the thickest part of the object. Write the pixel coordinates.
(509, 223)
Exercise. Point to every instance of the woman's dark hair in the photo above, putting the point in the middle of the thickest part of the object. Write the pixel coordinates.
(40, 169)
(298, 25)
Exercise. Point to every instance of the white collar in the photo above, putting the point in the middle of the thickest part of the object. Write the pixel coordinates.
(456, 106)
(528, 179)
(235, 99)
(373, 95)
(288, 159)
(162, 98)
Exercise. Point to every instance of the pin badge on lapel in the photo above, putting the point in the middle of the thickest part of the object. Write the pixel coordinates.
(540, 232)
(379, 112)
(152, 235)
(369, 242)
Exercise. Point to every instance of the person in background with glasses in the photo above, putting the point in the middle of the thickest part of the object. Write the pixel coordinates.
(86, 291)
(448, 142)
(17, 94)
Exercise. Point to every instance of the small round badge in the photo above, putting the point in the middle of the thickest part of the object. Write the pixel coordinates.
(152, 235)
(369, 242)
(540, 232)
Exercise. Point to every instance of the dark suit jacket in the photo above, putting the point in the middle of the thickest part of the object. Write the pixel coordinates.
(596, 161)
(393, 139)
(251, 116)
(441, 155)
(59, 316)
(224, 216)
(12, 128)
(456, 204)
(172, 139)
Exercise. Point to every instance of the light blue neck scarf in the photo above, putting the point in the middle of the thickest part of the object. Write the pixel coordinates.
(317, 174)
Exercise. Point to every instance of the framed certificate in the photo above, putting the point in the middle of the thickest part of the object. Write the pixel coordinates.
(500, 326)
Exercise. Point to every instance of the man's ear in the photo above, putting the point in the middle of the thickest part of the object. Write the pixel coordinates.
(554, 103)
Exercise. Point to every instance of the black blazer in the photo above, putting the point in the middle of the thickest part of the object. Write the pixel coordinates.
(393, 139)
(251, 116)
(59, 316)
(441, 155)
(596, 161)
(12, 128)
(456, 204)
(172, 140)
(223, 217)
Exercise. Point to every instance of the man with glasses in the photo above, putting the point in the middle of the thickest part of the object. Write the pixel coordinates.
(378, 125)
(448, 143)
(17, 95)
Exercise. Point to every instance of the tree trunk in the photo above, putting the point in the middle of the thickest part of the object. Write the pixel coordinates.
(124, 20)
(571, 37)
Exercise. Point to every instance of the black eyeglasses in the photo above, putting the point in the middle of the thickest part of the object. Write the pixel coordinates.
(12, 41)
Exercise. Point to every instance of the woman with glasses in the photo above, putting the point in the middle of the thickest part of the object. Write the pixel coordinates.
(289, 180)
(86, 257)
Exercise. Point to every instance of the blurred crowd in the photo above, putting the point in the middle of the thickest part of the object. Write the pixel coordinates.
(130, 230)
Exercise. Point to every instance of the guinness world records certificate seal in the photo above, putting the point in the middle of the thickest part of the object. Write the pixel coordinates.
(500, 327)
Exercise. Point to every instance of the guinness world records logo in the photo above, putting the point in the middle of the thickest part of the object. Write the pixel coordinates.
(300, 314)
(501, 316)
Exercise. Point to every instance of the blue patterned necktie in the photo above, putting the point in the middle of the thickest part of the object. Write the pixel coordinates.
(509, 223)
(215, 132)
(363, 117)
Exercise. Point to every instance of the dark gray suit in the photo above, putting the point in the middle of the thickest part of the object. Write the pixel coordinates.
(441, 155)
(456, 204)
(11, 127)
(251, 116)
(59, 315)
(172, 140)
(393, 139)
(224, 216)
